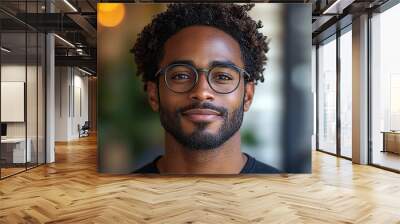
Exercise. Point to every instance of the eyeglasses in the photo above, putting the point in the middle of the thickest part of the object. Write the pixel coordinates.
(223, 79)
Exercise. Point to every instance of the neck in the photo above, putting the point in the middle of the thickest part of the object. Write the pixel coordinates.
(226, 159)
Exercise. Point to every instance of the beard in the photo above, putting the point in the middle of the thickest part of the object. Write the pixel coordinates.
(200, 139)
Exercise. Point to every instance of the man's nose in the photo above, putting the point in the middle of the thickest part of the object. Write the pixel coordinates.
(202, 91)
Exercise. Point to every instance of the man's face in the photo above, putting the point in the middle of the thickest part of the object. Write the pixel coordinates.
(201, 118)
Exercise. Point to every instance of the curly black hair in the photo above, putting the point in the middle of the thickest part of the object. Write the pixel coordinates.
(228, 17)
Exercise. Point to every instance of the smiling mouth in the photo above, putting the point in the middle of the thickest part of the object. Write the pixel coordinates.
(202, 115)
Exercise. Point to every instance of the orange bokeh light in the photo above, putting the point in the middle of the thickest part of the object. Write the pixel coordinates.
(110, 14)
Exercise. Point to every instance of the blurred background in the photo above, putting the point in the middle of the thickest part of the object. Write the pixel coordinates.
(278, 128)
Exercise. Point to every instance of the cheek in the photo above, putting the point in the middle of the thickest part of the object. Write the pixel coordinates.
(235, 99)
(169, 100)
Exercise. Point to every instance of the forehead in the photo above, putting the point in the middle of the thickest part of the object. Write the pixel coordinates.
(202, 45)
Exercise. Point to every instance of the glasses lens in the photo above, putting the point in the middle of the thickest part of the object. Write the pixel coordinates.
(180, 78)
(224, 79)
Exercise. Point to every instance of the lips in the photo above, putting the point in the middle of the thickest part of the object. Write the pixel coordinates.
(201, 112)
(202, 115)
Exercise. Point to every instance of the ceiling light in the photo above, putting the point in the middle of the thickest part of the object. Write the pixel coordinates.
(5, 50)
(338, 6)
(70, 5)
(326, 11)
(64, 40)
(84, 71)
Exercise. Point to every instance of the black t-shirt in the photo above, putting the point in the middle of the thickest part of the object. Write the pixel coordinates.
(251, 166)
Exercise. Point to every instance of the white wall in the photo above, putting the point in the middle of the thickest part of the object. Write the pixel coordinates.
(80, 112)
(71, 94)
(62, 81)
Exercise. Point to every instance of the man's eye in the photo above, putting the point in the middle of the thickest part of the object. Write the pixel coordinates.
(180, 76)
(223, 77)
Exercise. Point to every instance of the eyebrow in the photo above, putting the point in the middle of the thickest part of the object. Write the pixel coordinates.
(211, 64)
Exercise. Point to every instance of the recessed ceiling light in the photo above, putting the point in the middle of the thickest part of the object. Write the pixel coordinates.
(70, 5)
(65, 41)
(84, 71)
(5, 50)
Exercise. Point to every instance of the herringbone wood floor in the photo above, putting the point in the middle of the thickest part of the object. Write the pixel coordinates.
(71, 191)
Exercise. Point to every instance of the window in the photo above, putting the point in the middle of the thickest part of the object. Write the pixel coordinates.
(327, 96)
(385, 89)
(346, 93)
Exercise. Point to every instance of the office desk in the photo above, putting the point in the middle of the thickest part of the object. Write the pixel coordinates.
(16, 147)
(391, 141)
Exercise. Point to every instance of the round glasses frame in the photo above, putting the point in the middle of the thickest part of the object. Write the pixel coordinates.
(241, 71)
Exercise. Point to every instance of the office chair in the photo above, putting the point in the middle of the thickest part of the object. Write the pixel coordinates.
(84, 130)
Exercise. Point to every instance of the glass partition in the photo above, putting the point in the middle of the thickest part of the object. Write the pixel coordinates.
(31, 100)
(41, 91)
(22, 90)
(14, 152)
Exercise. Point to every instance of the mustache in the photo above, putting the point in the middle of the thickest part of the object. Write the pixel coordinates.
(222, 110)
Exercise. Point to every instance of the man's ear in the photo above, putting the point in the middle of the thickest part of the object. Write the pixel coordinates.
(152, 95)
(249, 94)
